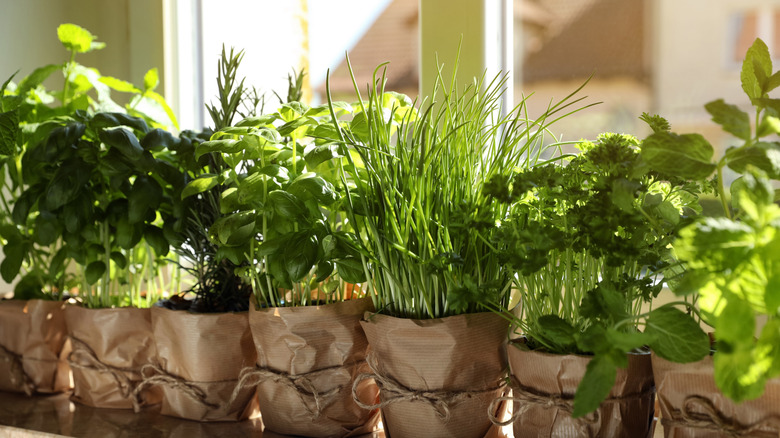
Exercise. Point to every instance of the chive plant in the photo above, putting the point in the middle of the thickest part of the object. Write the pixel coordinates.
(418, 180)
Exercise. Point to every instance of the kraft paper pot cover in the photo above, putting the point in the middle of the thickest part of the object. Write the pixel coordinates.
(543, 388)
(692, 406)
(200, 357)
(110, 346)
(33, 347)
(437, 377)
(307, 360)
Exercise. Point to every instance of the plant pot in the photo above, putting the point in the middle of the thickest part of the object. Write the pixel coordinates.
(33, 347)
(307, 360)
(693, 406)
(109, 348)
(436, 377)
(543, 391)
(200, 357)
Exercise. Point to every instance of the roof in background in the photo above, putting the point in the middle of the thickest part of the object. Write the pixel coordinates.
(579, 38)
(600, 37)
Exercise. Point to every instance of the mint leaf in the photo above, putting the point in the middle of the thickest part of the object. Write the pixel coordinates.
(9, 131)
(687, 156)
(676, 336)
(730, 117)
(756, 70)
(78, 39)
(736, 322)
(763, 155)
(595, 386)
(730, 371)
(557, 332)
(715, 244)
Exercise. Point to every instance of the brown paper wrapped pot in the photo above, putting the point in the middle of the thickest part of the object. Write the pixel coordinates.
(455, 365)
(545, 384)
(306, 350)
(33, 347)
(109, 348)
(692, 406)
(200, 357)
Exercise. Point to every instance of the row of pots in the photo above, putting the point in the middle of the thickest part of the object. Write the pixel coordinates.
(309, 371)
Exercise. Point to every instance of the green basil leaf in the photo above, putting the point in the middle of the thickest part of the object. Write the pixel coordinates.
(94, 271)
(288, 205)
(119, 259)
(350, 269)
(312, 185)
(155, 237)
(122, 140)
(145, 195)
(200, 184)
(224, 146)
(12, 263)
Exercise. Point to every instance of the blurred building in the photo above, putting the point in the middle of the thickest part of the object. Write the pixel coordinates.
(662, 56)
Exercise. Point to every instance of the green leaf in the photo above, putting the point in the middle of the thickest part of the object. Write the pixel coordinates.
(756, 70)
(78, 39)
(114, 120)
(119, 259)
(628, 341)
(36, 78)
(94, 271)
(200, 184)
(259, 121)
(715, 244)
(159, 139)
(46, 228)
(288, 205)
(763, 155)
(656, 122)
(9, 132)
(155, 237)
(292, 126)
(151, 79)
(128, 235)
(314, 186)
(145, 195)
(12, 263)
(595, 386)
(676, 336)
(119, 85)
(773, 82)
(224, 146)
(687, 156)
(730, 117)
(124, 141)
(350, 269)
(730, 371)
(557, 332)
(752, 195)
(235, 229)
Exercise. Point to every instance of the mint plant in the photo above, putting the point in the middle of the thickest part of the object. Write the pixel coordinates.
(731, 262)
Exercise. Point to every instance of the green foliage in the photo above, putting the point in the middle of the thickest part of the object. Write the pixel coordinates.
(587, 237)
(52, 143)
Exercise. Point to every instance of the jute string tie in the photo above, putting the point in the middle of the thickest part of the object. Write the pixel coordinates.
(84, 357)
(528, 398)
(699, 413)
(301, 384)
(393, 392)
(156, 375)
(18, 376)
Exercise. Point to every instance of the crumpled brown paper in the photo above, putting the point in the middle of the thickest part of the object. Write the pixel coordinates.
(692, 406)
(109, 348)
(307, 360)
(200, 357)
(33, 347)
(437, 377)
(546, 383)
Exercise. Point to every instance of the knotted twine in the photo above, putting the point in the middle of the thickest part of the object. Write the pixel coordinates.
(301, 384)
(529, 398)
(394, 392)
(89, 361)
(164, 378)
(18, 376)
(712, 419)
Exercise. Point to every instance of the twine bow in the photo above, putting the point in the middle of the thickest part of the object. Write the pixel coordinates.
(699, 413)
(19, 377)
(84, 357)
(394, 392)
(162, 377)
(301, 384)
(529, 398)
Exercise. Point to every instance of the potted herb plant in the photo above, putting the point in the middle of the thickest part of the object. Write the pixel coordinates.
(731, 268)
(419, 193)
(201, 333)
(280, 225)
(35, 134)
(588, 237)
